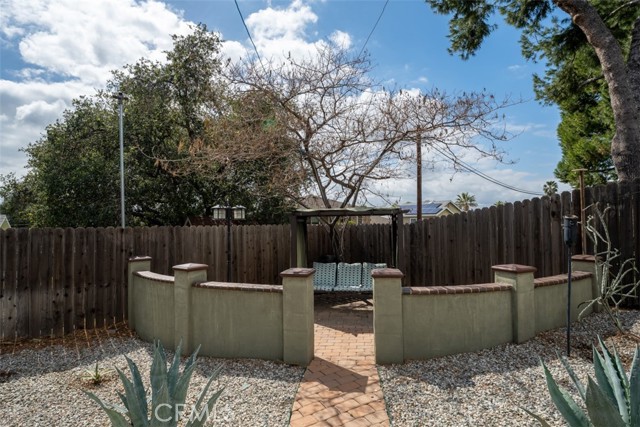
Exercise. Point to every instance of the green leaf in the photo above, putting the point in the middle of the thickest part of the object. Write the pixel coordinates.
(172, 373)
(573, 376)
(574, 416)
(138, 386)
(198, 420)
(138, 417)
(205, 390)
(158, 375)
(602, 411)
(541, 420)
(601, 375)
(615, 374)
(116, 418)
(182, 386)
(634, 389)
(163, 411)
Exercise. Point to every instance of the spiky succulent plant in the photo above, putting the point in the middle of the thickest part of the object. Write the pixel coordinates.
(169, 390)
(612, 400)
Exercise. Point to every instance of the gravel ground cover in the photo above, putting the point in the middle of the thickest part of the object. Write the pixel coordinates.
(41, 382)
(489, 388)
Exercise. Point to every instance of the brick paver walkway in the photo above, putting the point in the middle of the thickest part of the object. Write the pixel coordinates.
(341, 385)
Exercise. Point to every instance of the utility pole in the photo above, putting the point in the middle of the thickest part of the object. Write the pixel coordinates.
(583, 224)
(419, 174)
(121, 98)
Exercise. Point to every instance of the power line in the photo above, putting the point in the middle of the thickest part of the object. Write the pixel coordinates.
(248, 33)
(483, 175)
(374, 27)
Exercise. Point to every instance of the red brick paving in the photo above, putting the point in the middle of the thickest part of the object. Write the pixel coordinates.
(341, 386)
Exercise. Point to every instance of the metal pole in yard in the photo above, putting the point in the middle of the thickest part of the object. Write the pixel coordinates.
(120, 97)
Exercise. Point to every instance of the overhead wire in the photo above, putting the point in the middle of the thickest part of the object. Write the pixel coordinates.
(374, 27)
(248, 33)
(482, 175)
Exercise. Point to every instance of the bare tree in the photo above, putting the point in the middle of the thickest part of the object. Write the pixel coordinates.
(350, 132)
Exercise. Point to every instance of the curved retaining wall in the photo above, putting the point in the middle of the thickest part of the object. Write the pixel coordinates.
(228, 320)
(425, 322)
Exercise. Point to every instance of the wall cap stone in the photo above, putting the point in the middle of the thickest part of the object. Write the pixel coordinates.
(458, 289)
(387, 273)
(585, 258)
(139, 258)
(190, 267)
(298, 272)
(247, 287)
(560, 279)
(154, 276)
(514, 268)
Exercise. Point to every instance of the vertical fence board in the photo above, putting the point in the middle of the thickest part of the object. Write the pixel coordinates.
(10, 287)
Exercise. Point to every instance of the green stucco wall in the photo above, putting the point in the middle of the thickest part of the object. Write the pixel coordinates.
(153, 311)
(551, 303)
(234, 323)
(438, 325)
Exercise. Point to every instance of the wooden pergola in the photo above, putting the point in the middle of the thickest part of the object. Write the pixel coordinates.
(299, 220)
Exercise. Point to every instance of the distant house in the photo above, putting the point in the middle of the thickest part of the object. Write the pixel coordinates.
(4, 222)
(429, 210)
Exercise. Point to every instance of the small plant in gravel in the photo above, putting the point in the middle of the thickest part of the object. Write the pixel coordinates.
(612, 400)
(168, 394)
(97, 375)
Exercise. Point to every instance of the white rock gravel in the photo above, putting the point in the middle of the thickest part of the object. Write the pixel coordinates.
(43, 387)
(489, 387)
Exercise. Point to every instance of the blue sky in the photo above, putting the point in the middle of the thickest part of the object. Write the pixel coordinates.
(56, 50)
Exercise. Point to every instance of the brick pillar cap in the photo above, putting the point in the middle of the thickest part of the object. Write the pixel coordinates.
(139, 258)
(514, 268)
(190, 267)
(585, 258)
(298, 272)
(387, 273)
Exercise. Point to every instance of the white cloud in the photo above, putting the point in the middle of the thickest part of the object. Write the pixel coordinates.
(287, 23)
(69, 48)
(341, 39)
(443, 183)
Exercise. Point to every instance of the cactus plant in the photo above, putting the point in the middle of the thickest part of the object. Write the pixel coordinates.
(168, 394)
(612, 400)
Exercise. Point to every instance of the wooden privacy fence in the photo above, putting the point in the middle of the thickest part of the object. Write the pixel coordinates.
(54, 280)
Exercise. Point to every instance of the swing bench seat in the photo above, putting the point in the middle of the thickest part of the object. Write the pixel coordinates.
(344, 277)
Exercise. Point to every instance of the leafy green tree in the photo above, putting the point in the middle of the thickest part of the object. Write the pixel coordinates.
(17, 196)
(74, 168)
(594, 59)
(550, 188)
(466, 201)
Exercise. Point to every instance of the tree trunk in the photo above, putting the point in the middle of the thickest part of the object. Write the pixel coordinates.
(625, 146)
(633, 63)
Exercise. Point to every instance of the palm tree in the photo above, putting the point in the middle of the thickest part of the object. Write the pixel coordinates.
(466, 201)
(550, 188)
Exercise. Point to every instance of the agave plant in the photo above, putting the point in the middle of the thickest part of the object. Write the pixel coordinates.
(612, 400)
(168, 393)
